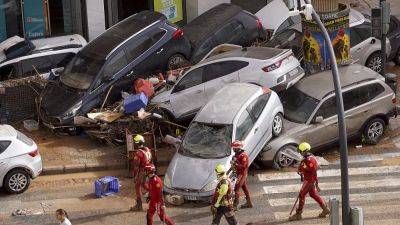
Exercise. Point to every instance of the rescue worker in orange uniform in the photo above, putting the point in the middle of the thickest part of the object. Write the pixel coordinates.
(308, 173)
(222, 204)
(240, 165)
(141, 158)
(154, 185)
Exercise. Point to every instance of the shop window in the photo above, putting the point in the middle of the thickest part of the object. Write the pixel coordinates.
(60, 17)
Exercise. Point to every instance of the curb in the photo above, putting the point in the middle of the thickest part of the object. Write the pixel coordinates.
(91, 167)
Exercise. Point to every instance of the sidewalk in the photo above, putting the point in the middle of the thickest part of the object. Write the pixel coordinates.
(74, 154)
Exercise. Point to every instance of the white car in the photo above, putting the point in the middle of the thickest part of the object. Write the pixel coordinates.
(274, 68)
(20, 160)
(239, 111)
(49, 53)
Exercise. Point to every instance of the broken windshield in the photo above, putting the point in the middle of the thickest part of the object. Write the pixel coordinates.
(298, 106)
(81, 71)
(207, 141)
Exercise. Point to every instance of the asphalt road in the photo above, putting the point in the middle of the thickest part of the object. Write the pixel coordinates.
(374, 182)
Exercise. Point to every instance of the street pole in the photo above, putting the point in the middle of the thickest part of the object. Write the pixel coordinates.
(383, 42)
(341, 121)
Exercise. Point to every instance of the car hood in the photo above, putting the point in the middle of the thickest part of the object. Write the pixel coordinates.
(193, 173)
(57, 99)
(162, 97)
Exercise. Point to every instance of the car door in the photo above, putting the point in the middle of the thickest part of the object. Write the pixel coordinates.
(4, 159)
(361, 42)
(325, 132)
(244, 131)
(219, 74)
(394, 36)
(187, 96)
(262, 116)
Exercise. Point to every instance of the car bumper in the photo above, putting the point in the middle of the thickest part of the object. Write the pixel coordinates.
(36, 167)
(289, 80)
(190, 195)
(393, 113)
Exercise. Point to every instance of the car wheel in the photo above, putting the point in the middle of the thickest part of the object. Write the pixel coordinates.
(17, 181)
(373, 131)
(374, 62)
(176, 61)
(396, 59)
(277, 125)
(281, 160)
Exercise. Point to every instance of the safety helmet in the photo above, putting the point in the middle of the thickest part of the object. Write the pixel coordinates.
(150, 168)
(237, 144)
(304, 147)
(220, 169)
(138, 139)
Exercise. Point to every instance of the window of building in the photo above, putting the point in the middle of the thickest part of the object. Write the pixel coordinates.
(60, 17)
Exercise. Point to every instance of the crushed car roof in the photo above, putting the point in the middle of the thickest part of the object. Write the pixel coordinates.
(199, 29)
(261, 53)
(320, 84)
(106, 42)
(226, 103)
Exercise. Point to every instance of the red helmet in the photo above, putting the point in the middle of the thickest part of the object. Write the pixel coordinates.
(150, 168)
(237, 144)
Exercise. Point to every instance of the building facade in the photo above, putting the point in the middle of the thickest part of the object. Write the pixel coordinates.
(45, 18)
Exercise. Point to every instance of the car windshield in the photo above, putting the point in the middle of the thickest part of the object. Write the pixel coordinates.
(297, 105)
(207, 141)
(81, 71)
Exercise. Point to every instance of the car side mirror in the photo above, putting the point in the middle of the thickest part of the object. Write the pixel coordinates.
(57, 71)
(319, 119)
(373, 41)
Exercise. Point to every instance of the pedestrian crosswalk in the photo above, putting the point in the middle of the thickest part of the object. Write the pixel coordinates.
(373, 186)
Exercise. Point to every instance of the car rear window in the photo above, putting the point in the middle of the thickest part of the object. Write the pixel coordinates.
(22, 137)
(4, 145)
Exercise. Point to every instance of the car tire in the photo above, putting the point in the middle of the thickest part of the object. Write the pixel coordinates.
(17, 181)
(176, 61)
(277, 125)
(373, 131)
(396, 59)
(282, 161)
(374, 62)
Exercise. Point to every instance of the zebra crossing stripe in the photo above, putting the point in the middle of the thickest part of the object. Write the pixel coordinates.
(353, 198)
(335, 185)
(332, 173)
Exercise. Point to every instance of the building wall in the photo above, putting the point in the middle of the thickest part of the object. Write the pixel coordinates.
(96, 18)
(195, 8)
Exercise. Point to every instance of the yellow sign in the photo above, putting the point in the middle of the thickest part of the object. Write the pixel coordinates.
(172, 9)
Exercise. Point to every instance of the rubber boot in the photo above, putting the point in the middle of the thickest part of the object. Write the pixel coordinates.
(296, 216)
(236, 203)
(325, 212)
(248, 204)
(138, 207)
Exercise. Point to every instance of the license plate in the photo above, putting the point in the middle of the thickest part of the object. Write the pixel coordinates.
(191, 198)
(293, 72)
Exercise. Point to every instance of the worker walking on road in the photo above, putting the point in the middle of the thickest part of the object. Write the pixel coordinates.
(308, 173)
(222, 204)
(141, 158)
(240, 165)
(154, 185)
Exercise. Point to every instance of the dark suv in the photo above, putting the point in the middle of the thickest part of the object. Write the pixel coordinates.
(142, 43)
(225, 23)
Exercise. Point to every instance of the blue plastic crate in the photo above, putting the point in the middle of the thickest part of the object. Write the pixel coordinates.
(134, 103)
(106, 186)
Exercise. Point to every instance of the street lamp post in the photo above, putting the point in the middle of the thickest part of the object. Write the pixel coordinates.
(383, 43)
(340, 110)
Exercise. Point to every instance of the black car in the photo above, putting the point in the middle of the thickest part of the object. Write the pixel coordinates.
(288, 39)
(142, 43)
(225, 23)
(394, 38)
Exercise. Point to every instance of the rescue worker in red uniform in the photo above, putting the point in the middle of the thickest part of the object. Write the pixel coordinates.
(240, 165)
(154, 185)
(222, 204)
(308, 173)
(142, 156)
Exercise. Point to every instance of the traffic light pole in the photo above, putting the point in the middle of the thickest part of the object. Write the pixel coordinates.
(342, 126)
(383, 42)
